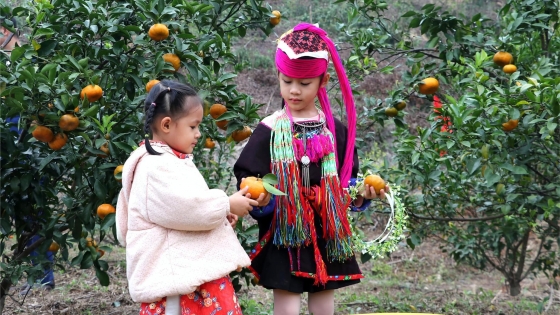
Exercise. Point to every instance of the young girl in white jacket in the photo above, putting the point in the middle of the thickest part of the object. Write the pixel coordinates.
(180, 244)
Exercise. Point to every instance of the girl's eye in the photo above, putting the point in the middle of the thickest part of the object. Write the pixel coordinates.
(305, 84)
(287, 82)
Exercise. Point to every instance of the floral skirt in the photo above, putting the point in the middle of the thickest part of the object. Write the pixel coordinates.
(214, 297)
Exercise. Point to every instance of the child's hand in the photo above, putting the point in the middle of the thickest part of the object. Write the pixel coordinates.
(369, 192)
(241, 205)
(232, 218)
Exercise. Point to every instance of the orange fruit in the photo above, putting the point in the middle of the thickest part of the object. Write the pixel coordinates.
(76, 109)
(93, 93)
(104, 209)
(91, 242)
(217, 110)
(158, 32)
(100, 252)
(400, 105)
(502, 58)
(209, 143)
(222, 124)
(54, 247)
(43, 134)
(276, 19)
(509, 69)
(376, 182)
(58, 141)
(510, 125)
(428, 86)
(173, 60)
(68, 122)
(391, 111)
(118, 170)
(242, 134)
(105, 148)
(256, 187)
(150, 85)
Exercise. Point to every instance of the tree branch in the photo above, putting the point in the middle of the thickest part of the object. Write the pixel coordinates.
(432, 218)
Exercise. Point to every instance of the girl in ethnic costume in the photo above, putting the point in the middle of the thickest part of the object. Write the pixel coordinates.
(180, 247)
(305, 238)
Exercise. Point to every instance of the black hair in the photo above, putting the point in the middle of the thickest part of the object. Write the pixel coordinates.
(167, 98)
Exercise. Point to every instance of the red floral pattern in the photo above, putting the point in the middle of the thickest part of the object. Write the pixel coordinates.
(212, 298)
(304, 41)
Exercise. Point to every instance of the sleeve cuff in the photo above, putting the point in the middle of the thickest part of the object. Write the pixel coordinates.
(259, 212)
(364, 205)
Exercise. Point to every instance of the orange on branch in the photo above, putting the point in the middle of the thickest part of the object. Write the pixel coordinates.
(400, 105)
(509, 69)
(222, 124)
(151, 84)
(428, 86)
(68, 122)
(105, 148)
(276, 19)
(93, 93)
(43, 134)
(391, 111)
(54, 247)
(376, 182)
(117, 171)
(209, 143)
(510, 125)
(158, 32)
(242, 134)
(217, 110)
(502, 58)
(59, 140)
(104, 209)
(173, 60)
(256, 186)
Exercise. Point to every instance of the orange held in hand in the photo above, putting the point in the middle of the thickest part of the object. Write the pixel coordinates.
(93, 92)
(104, 209)
(376, 182)
(256, 187)
(428, 86)
(68, 122)
(158, 32)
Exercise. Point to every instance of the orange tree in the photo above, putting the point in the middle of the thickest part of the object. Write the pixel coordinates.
(484, 177)
(90, 61)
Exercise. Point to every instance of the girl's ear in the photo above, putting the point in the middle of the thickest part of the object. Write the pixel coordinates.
(326, 79)
(164, 124)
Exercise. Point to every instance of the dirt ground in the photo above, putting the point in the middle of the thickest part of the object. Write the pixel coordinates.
(420, 280)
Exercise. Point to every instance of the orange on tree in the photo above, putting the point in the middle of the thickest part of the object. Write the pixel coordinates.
(150, 85)
(256, 186)
(90, 242)
(93, 93)
(428, 86)
(54, 247)
(222, 124)
(277, 17)
(509, 69)
(217, 110)
(391, 111)
(100, 252)
(400, 105)
(209, 143)
(104, 209)
(158, 32)
(173, 60)
(58, 141)
(510, 125)
(68, 122)
(502, 58)
(117, 171)
(241, 134)
(105, 148)
(43, 134)
(376, 182)
(76, 109)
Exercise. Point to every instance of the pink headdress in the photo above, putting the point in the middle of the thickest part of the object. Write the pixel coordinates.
(308, 40)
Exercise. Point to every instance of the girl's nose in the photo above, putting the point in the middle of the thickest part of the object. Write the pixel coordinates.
(295, 90)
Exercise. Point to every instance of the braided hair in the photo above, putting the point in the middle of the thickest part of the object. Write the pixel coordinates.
(167, 98)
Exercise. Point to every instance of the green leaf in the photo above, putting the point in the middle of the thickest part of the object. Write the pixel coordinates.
(270, 178)
(273, 190)
(102, 276)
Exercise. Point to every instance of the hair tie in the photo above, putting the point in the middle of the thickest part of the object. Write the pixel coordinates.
(153, 104)
(168, 89)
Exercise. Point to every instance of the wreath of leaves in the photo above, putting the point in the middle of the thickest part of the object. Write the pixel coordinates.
(394, 231)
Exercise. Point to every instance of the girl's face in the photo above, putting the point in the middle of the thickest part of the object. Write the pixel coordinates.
(182, 133)
(299, 94)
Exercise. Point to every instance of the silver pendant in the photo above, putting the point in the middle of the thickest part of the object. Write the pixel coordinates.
(305, 160)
